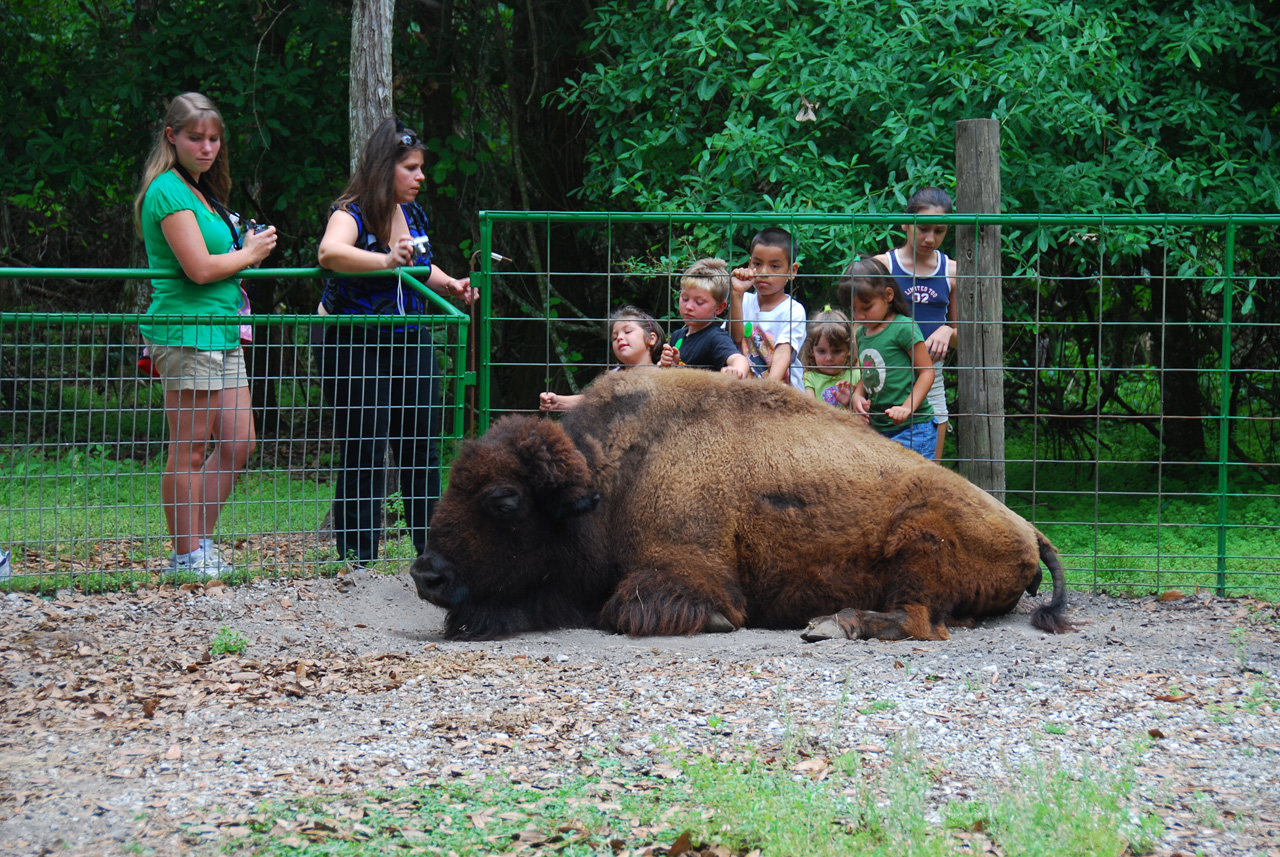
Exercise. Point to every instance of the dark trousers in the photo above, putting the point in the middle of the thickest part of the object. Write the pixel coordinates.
(384, 388)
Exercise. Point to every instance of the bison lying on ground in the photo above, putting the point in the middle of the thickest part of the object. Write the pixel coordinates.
(676, 501)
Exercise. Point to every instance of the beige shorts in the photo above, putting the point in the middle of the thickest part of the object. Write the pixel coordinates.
(182, 367)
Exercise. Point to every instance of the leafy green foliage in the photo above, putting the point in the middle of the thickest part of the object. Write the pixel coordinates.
(833, 105)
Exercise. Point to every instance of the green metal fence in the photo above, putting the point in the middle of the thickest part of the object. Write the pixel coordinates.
(83, 440)
(1141, 387)
(1141, 375)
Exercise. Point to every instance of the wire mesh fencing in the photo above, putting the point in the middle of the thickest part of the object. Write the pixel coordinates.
(87, 442)
(1137, 373)
(1137, 376)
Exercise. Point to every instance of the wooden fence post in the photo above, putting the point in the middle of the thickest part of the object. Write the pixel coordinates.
(980, 307)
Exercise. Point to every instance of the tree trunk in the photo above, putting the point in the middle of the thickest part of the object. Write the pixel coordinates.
(370, 91)
(980, 307)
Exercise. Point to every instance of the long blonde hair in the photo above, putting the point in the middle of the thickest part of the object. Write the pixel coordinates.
(184, 110)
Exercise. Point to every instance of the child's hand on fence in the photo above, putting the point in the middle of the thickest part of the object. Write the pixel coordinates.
(548, 402)
(670, 356)
(844, 393)
(736, 371)
(861, 404)
(899, 414)
(742, 279)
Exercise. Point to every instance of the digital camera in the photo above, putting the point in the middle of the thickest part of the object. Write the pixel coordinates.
(421, 246)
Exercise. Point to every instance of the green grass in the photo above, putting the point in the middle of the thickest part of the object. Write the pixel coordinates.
(776, 805)
(1122, 523)
(1053, 811)
(79, 514)
(1119, 525)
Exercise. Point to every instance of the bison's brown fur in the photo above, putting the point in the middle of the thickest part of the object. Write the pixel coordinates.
(676, 501)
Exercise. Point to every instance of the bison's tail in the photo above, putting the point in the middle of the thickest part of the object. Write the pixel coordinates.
(1052, 617)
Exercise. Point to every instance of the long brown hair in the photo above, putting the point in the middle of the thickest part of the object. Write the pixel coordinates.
(186, 109)
(867, 278)
(372, 185)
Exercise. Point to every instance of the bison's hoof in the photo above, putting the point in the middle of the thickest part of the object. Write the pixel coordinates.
(718, 624)
(826, 628)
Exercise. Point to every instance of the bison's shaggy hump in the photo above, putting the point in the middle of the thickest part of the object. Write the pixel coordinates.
(677, 501)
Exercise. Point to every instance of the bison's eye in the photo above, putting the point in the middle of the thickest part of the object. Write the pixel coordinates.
(502, 503)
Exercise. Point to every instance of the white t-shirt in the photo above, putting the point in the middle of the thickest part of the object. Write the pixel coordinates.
(764, 331)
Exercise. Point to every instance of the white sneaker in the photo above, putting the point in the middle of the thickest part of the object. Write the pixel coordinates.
(214, 556)
(197, 563)
(6, 569)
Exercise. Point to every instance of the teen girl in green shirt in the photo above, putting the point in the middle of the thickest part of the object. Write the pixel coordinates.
(180, 216)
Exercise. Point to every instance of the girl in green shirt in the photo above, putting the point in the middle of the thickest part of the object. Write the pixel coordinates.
(180, 216)
(896, 368)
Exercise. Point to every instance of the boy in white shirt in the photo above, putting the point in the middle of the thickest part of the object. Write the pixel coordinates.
(768, 324)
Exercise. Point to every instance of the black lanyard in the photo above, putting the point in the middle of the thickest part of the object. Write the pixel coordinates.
(214, 203)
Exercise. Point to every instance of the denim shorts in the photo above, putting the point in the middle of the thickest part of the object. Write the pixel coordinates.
(917, 437)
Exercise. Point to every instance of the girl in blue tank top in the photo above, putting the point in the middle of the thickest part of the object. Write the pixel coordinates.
(928, 279)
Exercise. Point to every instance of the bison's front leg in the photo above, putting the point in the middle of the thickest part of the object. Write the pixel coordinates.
(910, 622)
(688, 595)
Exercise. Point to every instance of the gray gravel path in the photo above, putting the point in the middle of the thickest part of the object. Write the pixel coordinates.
(122, 733)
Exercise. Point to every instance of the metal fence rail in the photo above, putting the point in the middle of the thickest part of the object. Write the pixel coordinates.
(83, 440)
(1140, 376)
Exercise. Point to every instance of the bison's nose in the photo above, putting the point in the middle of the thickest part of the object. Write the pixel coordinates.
(433, 576)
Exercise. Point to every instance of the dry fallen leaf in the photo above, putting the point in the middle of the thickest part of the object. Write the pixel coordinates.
(681, 845)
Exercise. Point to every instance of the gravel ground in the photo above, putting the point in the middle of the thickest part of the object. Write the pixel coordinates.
(124, 733)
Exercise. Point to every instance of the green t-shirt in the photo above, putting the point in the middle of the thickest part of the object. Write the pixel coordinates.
(168, 194)
(824, 386)
(888, 372)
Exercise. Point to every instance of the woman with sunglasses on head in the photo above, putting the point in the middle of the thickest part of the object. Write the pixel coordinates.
(181, 217)
(381, 378)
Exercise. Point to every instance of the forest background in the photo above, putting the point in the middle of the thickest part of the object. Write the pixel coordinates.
(735, 106)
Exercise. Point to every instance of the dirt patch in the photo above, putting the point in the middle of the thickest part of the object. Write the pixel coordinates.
(123, 731)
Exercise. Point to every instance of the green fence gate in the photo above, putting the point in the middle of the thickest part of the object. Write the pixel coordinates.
(83, 438)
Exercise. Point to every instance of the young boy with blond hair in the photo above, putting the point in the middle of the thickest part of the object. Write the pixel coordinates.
(769, 324)
(703, 343)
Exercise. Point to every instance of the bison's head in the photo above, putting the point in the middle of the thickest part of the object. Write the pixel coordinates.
(501, 546)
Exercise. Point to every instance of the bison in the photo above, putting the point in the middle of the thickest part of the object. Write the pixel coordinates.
(676, 501)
